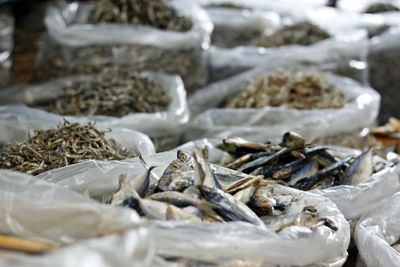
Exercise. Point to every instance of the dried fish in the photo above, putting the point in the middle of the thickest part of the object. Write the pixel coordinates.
(302, 33)
(113, 93)
(65, 145)
(290, 89)
(155, 13)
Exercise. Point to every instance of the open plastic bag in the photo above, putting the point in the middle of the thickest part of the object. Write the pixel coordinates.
(352, 201)
(269, 122)
(241, 27)
(377, 231)
(162, 127)
(6, 46)
(75, 47)
(208, 242)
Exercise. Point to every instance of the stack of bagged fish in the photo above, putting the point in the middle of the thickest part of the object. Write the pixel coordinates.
(297, 164)
(191, 190)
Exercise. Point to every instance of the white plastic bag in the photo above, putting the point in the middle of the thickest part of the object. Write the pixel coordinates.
(352, 200)
(6, 46)
(16, 121)
(219, 242)
(377, 231)
(233, 27)
(75, 46)
(259, 124)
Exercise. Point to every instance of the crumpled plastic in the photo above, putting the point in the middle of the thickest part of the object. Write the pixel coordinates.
(209, 120)
(377, 231)
(16, 120)
(70, 39)
(208, 242)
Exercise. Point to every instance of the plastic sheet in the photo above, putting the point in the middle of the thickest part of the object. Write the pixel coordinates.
(269, 122)
(352, 201)
(75, 47)
(6, 46)
(17, 120)
(208, 242)
(377, 231)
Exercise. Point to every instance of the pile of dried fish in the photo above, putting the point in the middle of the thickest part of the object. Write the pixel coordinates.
(381, 8)
(68, 144)
(113, 93)
(155, 13)
(302, 33)
(295, 163)
(388, 135)
(190, 190)
(291, 89)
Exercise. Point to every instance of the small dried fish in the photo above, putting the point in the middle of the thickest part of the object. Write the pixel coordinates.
(302, 33)
(156, 13)
(65, 145)
(290, 89)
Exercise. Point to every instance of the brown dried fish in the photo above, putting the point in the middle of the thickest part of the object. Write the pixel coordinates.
(68, 144)
(116, 92)
(156, 13)
(301, 33)
(291, 89)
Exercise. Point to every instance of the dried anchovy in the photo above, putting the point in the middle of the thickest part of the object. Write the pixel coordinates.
(292, 89)
(302, 33)
(155, 13)
(381, 8)
(117, 92)
(68, 144)
(59, 61)
(228, 4)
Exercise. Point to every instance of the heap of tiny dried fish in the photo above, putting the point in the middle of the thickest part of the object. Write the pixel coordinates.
(302, 33)
(68, 144)
(297, 164)
(191, 190)
(114, 93)
(381, 8)
(156, 13)
(388, 135)
(291, 89)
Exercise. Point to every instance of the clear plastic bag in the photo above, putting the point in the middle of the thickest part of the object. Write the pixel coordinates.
(6, 46)
(16, 121)
(259, 124)
(208, 241)
(377, 231)
(74, 47)
(352, 201)
(241, 27)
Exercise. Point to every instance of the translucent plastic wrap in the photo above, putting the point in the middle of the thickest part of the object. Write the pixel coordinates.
(269, 122)
(243, 25)
(377, 231)
(74, 47)
(344, 53)
(6, 46)
(16, 121)
(208, 242)
(384, 65)
(352, 200)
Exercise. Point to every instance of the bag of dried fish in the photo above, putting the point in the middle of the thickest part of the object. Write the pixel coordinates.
(378, 235)
(172, 189)
(234, 27)
(69, 143)
(126, 33)
(355, 181)
(6, 46)
(152, 103)
(60, 226)
(350, 105)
